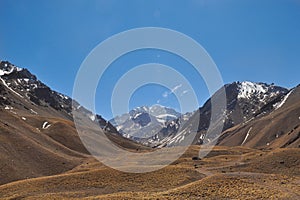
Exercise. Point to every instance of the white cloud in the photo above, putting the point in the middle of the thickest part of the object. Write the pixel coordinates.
(184, 92)
(176, 88)
(166, 93)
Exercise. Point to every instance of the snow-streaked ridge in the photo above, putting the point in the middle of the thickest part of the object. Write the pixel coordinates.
(280, 104)
(4, 83)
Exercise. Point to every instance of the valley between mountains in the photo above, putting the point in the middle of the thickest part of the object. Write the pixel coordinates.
(257, 155)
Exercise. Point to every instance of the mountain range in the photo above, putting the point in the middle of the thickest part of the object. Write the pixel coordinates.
(246, 102)
(156, 126)
(42, 155)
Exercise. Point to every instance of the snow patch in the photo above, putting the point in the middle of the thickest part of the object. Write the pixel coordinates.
(92, 117)
(8, 108)
(34, 86)
(63, 96)
(181, 139)
(280, 104)
(34, 112)
(161, 121)
(247, 135)
(3, 72)
(13, 112)
(166, 115)
(137, 115)
(46, 125)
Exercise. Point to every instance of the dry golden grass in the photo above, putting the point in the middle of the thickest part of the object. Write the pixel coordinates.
(27, 150)
(224, 186)
(226, 173)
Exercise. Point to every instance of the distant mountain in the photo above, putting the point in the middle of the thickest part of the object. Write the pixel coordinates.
(245, 102)
(143, 122)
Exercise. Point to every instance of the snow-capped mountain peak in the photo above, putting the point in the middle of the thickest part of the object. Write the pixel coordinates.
(158, 111)
(144, 121)
(260, 91)
(247, 89)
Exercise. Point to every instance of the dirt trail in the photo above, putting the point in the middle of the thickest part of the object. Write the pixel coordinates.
(209, 171)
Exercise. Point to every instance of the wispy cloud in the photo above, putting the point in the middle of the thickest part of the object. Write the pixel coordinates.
(172, 90)
(184, 92)
(166, 93)
(175, 88)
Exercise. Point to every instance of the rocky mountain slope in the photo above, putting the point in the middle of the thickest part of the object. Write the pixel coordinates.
(245, 102)
(21, 90)
(37, 133)
(280, 127)
(23, 94)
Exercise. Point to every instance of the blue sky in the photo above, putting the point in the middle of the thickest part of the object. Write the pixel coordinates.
(256, 40)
